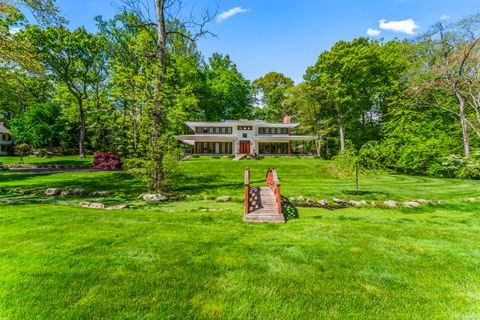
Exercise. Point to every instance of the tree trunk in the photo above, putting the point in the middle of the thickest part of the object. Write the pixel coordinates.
(83, 129)
(157, 174)
(463, 122)
(356, 180)
(319, 148)
(341, 129)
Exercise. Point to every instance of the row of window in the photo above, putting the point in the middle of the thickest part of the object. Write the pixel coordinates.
(228, 130)
(213, 147)
(272, 130)
(214, 130)
(273, 148)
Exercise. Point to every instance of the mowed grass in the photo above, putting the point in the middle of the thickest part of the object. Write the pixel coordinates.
(57, 160)
(196, 259)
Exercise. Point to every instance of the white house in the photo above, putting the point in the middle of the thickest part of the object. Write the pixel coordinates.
(232, 137)
(5, 140)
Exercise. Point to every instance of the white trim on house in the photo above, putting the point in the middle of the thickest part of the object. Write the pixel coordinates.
(213, 137)
(5, 140)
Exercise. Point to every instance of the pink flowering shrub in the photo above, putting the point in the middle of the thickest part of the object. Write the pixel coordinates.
(107, 161)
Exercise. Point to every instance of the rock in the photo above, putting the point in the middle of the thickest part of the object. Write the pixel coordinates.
(390, 203)
(66, 192)
(118, 207)
(178, 197)
(411, 204)
(310, 202)
(300, 198)
(363, 203)
(339, 201)
(79, 191)
(375, 203)
(92, 205)
(354, 203)
(292, 199)
(471, 200)
(422, 201)
(323, 202)
(102, 193)
(53, 191)
(26, 191)
(152, 197)
(224, 198)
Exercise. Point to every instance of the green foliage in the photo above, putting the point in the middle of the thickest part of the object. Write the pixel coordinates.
(272, 89)
(228, 94)
(40, 126)
(455, 166)
(22, 150)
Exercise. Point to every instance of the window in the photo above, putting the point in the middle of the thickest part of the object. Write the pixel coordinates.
(244, 135)
(273, 148)
(213, 130)
(272, 130)
(213, 148)
(244, 128)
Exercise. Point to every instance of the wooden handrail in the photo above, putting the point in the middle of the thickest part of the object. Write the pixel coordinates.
(246, 182)
(274, 184)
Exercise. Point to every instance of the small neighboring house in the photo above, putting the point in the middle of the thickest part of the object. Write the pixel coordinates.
(5, 141)
(233, 137)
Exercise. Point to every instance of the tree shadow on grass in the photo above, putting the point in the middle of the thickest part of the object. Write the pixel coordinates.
(289, 210)
(365, 193)
(214, 182)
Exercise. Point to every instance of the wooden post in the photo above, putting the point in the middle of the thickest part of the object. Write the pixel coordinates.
(246, 182)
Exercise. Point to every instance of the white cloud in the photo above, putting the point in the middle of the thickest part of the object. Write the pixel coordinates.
(230, 13)
(14, 30)
(405, 26)
(373, 32)
(445, 17)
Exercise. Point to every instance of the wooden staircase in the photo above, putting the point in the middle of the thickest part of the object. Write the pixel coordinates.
(263, 204)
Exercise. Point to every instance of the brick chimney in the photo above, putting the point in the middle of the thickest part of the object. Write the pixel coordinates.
(287, 119)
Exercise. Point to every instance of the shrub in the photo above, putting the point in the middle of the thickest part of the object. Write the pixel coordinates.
(107, 161)
(456, 166)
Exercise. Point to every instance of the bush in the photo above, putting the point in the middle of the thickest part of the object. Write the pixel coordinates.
(107, 161)
(460, 167)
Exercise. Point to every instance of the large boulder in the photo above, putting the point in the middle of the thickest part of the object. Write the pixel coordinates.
(310, 202)
(339, 201)
(153, 197)
(411, 204)
(355, 203)
(92, 205)
(300, 198)
(53, 192)
(390, 203)
(118, 207)
(224, 198)
(323, 202)
(101, 193)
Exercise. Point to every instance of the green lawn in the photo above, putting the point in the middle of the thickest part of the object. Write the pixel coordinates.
(196, 258)
(61, 160)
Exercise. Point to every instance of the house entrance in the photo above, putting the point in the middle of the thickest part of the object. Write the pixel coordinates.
(245, 147)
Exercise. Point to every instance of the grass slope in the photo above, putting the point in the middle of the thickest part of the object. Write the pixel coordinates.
(197, 259)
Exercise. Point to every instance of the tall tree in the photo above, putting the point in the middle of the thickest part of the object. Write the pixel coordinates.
(72, 58)
(452, 53)
(228, 94)
(272, 89)
(156, 118)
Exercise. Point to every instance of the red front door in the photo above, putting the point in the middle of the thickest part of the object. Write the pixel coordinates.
(245, 147)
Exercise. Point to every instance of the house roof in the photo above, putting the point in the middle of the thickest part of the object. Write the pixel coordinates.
(3, 129)
(193, 124)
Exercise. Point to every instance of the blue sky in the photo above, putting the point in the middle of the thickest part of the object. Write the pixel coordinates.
(287, 36)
